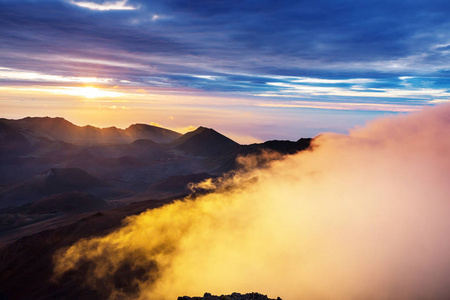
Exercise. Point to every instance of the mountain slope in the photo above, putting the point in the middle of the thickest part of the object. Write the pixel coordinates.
(154, 133)
(12, 140)
(55, 181)
(205, 142)
(70, 202)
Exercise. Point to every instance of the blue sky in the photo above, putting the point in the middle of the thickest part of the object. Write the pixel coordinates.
(252, 69)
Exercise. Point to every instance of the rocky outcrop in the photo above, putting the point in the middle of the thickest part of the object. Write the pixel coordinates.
(234, 296)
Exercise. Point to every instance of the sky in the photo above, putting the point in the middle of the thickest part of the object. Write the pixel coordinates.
(253, 70)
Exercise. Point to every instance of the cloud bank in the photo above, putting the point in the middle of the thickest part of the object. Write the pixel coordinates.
(361, 216)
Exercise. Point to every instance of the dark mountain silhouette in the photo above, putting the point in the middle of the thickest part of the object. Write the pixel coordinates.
(229, 160)
(233, 296)
(283, 147)
(60, 129)
(221, 152)
(55, 181)
(204, 142)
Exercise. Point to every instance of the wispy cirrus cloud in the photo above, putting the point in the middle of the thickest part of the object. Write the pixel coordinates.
(23, 75)
(382, 107)
(107, 5)
(295, 90)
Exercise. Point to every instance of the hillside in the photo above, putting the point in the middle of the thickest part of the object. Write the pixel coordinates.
(70, 202)
(55, 181)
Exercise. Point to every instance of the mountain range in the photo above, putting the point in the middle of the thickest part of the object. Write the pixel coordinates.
(56, 177)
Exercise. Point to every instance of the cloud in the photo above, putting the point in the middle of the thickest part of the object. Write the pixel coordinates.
(311, 41)
(76, 91)
(105, 6)
(22, 75)
(332, 81)
(360, 216)
(155, 124)
(438, 101)
(313, 51)
(346, 106)
(186, 129)
(357, 91)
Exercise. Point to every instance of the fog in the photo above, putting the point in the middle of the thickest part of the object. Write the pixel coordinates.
(360, 216)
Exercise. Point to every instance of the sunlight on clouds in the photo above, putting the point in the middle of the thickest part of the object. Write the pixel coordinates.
(155, 124)
(205, 77)
(108, 5)
(87, 92)
(186, 129)
(438, 101)
(118, 107)
(15, 74)
(105, 62)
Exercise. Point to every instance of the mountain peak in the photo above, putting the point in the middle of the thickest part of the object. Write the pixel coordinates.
(202, 129)
(205, 141)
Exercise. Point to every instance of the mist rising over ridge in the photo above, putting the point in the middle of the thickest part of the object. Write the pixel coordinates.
(363, 215)
(49, 186)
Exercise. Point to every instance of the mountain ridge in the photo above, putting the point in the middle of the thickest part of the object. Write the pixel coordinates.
(58, 184)
(60, 129)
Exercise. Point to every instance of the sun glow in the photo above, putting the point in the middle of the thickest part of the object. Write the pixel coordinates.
(23, 75)
(87, 92)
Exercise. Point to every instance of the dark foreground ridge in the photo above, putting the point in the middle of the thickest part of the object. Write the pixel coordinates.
(234, 296)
